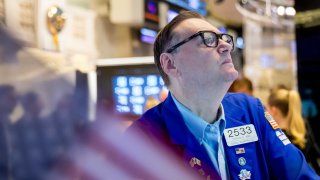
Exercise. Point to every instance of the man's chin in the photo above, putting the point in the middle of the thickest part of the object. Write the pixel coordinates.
(232, 75)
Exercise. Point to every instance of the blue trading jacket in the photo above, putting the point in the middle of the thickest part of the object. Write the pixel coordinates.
(267, 158)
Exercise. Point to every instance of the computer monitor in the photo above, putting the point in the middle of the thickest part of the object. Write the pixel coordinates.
(129, 86)
(148, 35)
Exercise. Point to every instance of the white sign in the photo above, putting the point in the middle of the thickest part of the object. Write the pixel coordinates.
(80, 31)
(240, 135)
(20, 18)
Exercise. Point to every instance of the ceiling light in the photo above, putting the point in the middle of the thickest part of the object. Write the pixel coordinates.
(290, 11)
(280, 10)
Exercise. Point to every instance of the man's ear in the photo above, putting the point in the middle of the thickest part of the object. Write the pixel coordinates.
(167, 64)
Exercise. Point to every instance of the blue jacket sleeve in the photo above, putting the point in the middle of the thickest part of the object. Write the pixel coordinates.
(284, 160)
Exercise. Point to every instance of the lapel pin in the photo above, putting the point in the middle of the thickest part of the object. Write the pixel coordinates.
(194, 161)
(242, 161)
(244, 174)
(201, 172)
(240, 150)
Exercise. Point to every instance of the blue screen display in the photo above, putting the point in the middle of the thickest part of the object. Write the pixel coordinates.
(192, 5)
(148, 35)
(136, 94)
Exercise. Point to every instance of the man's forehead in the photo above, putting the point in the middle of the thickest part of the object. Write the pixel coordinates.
(194, 25)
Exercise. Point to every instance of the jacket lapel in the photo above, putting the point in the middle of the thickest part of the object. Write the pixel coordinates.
(235, 116)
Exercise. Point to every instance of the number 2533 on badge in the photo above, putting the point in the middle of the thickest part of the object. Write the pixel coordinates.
(240, 135)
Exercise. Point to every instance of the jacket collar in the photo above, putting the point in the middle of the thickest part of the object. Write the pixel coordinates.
(178, 131)
(234, 114)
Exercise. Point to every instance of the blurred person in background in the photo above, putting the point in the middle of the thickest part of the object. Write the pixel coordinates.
(8, 101)
(242, 84)
(61, 124)
(29, 157)
(285, 107)
(218, 135)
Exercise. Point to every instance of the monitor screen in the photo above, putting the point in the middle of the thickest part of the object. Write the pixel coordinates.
(151, 11)
(192, 5)
(136, 94)
(130, 89)
(223, 29)
(148, 35)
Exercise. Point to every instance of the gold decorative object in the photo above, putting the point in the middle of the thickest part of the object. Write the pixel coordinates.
(55, 21)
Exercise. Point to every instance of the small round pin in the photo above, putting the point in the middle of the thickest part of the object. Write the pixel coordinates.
(242, 161)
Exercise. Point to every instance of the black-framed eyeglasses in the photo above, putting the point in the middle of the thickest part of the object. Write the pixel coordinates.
(209, 38)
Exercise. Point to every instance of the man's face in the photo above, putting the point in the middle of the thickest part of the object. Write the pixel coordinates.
(199, 65)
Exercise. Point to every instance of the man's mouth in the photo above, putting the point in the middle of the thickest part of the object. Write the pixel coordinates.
(226, 61)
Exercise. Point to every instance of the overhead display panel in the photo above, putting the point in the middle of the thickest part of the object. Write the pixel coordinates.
(192, 5)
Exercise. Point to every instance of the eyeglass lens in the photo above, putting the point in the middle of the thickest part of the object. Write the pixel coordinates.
(211, 39)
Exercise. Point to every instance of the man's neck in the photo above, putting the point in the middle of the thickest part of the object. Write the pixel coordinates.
(205, 106)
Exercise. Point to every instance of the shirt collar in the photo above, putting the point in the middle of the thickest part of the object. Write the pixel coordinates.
(196, 124)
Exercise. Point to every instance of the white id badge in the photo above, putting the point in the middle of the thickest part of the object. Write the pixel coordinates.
(240, 135)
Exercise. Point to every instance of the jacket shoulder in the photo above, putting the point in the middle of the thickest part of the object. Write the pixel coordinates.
(151, 124)
(239, 98)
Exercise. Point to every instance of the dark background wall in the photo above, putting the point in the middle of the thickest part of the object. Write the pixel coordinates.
(308, 60)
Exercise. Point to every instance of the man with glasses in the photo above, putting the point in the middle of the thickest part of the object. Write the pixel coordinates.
(219, 135)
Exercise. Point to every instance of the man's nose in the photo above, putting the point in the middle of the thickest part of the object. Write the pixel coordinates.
(224, 47)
